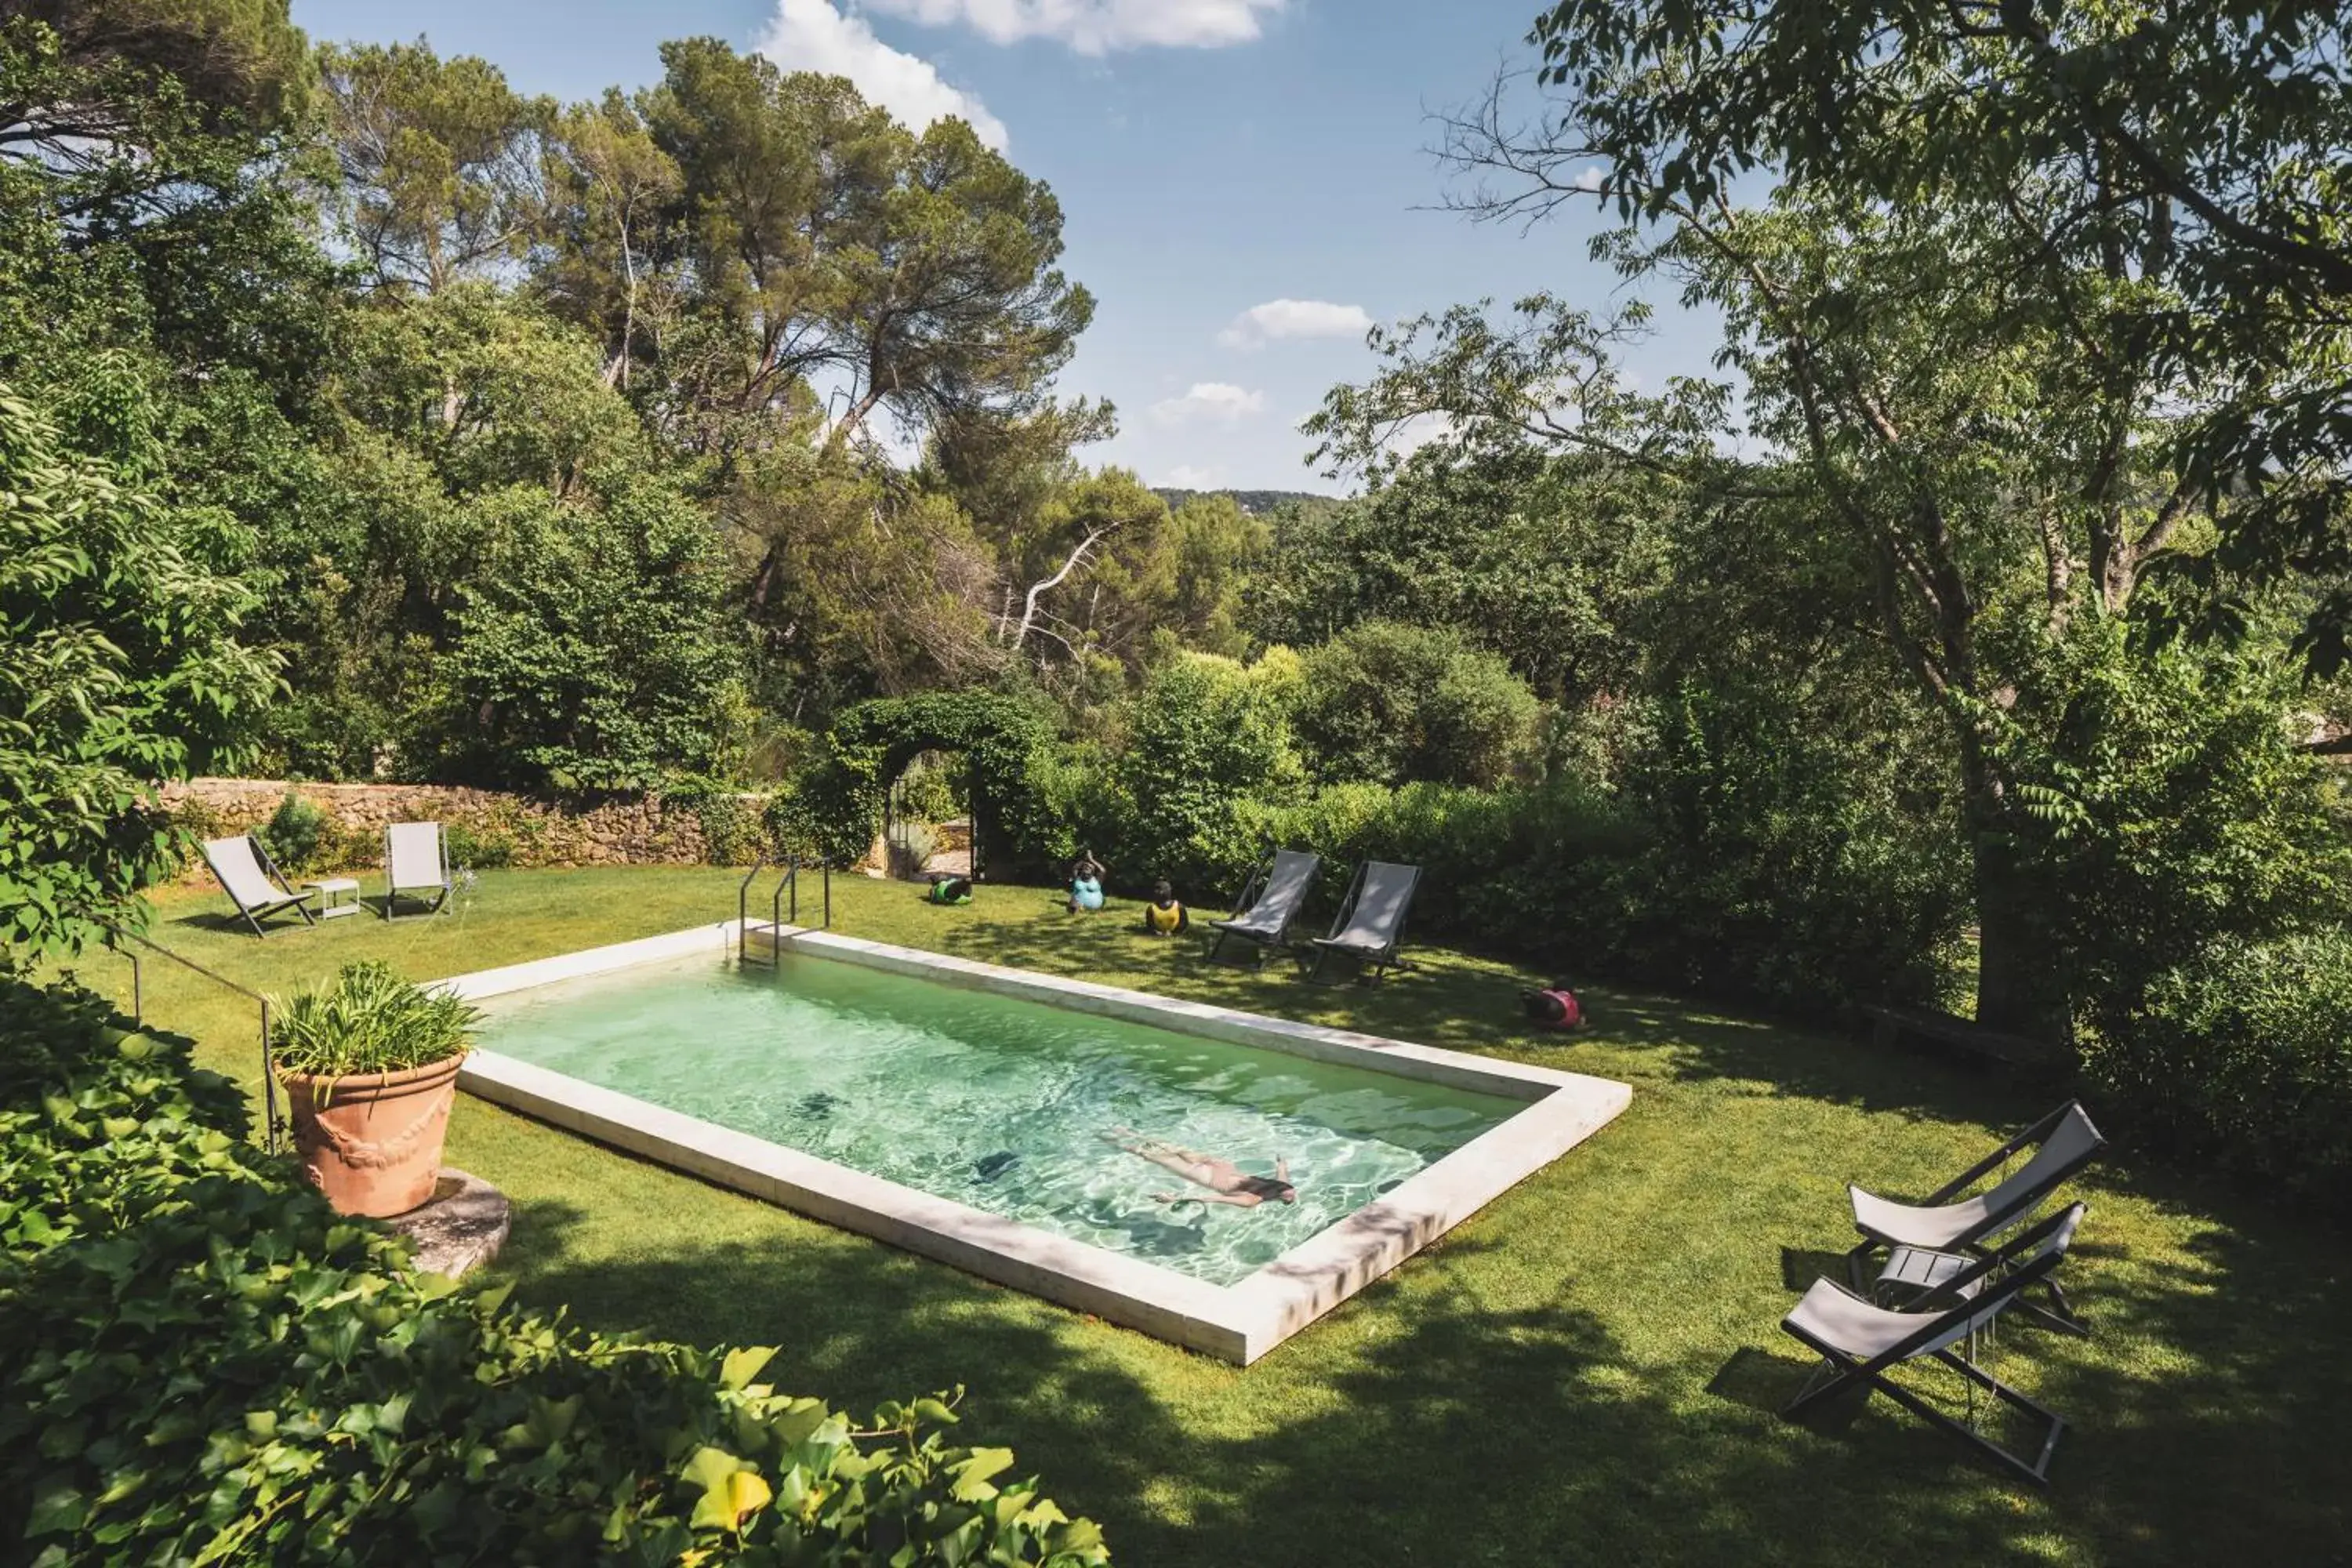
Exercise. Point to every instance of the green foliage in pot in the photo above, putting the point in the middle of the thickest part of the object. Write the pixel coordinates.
(369, 1019)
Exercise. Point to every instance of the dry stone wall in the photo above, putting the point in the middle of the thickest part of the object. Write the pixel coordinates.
(488, 827)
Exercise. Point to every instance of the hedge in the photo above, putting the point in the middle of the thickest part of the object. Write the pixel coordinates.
(204, 1363)
(835, 806)
(2240, 1060)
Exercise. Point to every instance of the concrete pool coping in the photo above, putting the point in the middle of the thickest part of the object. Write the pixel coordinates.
(1238, 1322)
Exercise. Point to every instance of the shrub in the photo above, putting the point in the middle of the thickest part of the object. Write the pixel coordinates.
(2241, 1058)
(730, 822)
(837, 796)
(204, 1364)
(502, 833)
(2176, 809)
(1747, 860)
(929, 788)
(369, 1018)
(1534, 870)
(590, 653)
(1206, 735)
(791, 827)
(298, 835)
(1791, 856)
(730, 829)
(1388, 703)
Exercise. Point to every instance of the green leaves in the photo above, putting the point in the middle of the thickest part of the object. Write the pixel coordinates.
(110, 623)
(741, 1366)
(204, 1364)
(369, 1019)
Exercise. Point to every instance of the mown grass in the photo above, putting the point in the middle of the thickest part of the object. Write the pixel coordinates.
(1585, 1372)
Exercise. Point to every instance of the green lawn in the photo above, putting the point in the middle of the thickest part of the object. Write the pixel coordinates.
(1583, 1373)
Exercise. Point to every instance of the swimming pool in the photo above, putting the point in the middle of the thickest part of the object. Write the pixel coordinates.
(1009, 1105)
(975, 1113)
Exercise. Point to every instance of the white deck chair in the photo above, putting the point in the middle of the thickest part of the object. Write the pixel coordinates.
(1271, 901)
(251, 881)
(1859, 1343)
(415, 857)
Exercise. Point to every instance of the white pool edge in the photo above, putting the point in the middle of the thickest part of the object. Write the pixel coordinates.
(1238, 1323)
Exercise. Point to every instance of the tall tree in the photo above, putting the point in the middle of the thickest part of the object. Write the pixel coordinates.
(100, 87)
(611, 194)
(440, 160)
(2189, 155)
(1971, 443)
(900, 272)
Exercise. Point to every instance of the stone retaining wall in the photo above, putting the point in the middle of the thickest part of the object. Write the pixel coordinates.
(487, 827)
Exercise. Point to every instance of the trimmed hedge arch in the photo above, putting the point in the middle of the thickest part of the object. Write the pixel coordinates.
(840, 798)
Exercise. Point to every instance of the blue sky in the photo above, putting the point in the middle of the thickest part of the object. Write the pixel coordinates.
(1243, 183)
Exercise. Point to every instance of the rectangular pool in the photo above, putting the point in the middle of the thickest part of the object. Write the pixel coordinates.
(976, 1114)
(1003, 1103)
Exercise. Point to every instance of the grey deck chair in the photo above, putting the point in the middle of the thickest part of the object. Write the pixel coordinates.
(1277, 891)
(2063, 1143)
(1859, 1343)
(415, 857)
(1370, 927)
(251, 880)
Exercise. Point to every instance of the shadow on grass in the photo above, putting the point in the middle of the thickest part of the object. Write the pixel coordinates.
(1436, 1427)
(1581, 1375)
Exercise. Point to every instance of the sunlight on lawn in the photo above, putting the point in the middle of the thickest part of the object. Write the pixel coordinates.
(1588, 1369)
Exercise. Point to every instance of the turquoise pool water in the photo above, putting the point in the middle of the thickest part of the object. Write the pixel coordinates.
(997, 1102)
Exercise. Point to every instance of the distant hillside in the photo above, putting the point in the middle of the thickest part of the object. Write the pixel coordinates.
(1251, 501)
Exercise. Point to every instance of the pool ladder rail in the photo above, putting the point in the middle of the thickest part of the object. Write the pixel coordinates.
(779, 916)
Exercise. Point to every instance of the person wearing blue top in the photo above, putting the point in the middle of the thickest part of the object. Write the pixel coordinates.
(1086, 882)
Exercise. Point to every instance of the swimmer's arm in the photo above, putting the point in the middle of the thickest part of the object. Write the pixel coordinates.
(1237, 1200)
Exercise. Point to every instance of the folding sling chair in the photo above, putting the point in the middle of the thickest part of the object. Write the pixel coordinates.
(2063, 1143)
(1859, 1343)
(1277, 891)
(415, 857)
(1370, 927)
(251, 881)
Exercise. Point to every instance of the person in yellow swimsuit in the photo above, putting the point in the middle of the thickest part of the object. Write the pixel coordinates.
(1164, 915)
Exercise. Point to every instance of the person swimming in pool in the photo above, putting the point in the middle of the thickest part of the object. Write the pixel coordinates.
(1226, 1182)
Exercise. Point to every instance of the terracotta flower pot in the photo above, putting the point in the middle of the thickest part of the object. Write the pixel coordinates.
(375, 1145)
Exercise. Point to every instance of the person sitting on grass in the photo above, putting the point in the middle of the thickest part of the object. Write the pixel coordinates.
(1226, 1182)
(948, 889)
(1086, 882)
(1164, 915)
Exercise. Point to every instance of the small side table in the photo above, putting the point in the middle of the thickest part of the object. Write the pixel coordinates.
(1912, 1272)
(337, 895)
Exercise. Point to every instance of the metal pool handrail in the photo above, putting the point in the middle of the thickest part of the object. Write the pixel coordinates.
(115, 938)
(789, 884)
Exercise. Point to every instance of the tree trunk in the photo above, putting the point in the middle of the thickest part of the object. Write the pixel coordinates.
(2021, 973)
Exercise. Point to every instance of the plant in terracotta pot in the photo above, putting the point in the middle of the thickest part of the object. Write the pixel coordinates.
(370, 1066)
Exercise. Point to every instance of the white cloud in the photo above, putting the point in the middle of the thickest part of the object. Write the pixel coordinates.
(1219, 401)
(1098, 26)
(1591, 179)
(1420, 430)
(1185, 476)
(811, 36)
(1261, 324)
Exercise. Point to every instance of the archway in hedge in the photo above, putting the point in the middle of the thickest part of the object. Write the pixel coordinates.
(871, 744)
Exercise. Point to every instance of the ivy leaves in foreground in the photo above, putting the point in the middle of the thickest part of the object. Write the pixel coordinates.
(206, 1364)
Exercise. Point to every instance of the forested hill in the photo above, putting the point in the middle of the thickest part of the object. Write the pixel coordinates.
(1254, 503)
